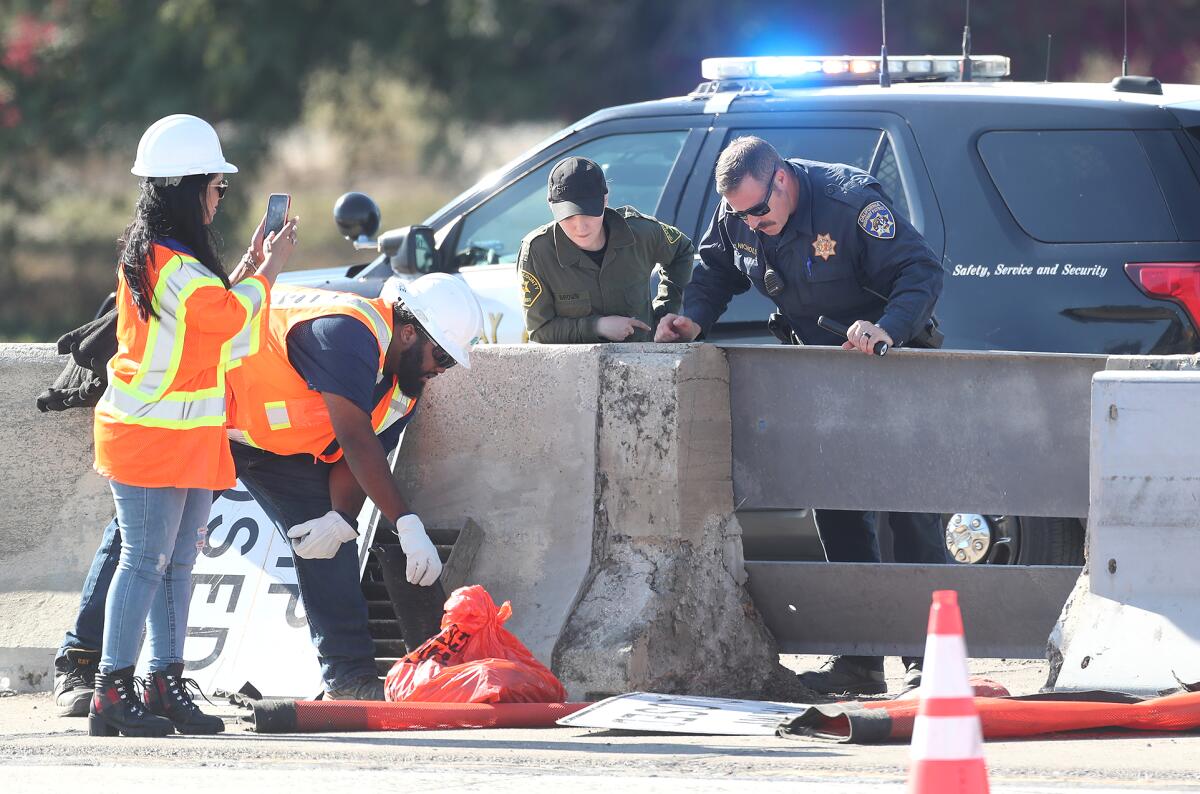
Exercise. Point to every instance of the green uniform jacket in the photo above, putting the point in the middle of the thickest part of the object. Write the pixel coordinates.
(565, 293)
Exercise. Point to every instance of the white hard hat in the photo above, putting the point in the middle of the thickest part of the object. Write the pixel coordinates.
(445, 307)
(180, 145)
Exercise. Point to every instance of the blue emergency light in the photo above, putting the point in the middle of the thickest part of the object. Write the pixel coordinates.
(850, 68)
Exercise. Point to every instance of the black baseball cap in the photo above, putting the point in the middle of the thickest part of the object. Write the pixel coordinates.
(576, 187)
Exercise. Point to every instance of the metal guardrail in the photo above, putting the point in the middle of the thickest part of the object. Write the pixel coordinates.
(882, 610)
(916, 431)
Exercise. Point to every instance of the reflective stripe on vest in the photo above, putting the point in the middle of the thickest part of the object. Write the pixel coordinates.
(174, 414)
(144, 400)
(252, 296)
(400, 405)
(284, 299)
(277, 415)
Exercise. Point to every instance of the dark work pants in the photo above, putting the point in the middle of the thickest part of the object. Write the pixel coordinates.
(290, 490)
(851, 536)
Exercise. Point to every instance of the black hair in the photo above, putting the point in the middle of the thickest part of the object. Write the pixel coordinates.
(175, 211)
(402, 316)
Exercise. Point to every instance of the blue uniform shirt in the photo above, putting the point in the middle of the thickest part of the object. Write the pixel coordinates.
(842, 238)
(339, 355)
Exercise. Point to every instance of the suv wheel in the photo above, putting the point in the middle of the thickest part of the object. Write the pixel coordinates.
(974, 539)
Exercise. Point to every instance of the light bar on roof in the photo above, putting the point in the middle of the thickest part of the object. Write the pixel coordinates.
(834, 68)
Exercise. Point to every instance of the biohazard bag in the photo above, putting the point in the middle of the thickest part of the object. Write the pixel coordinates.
(474, 659)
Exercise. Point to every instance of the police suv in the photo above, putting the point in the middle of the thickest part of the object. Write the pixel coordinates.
(1067, 215)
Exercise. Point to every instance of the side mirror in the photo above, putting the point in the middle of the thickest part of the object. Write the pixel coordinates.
(410, 249)
(357, 217)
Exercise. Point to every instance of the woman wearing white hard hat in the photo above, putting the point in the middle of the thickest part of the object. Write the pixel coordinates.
(160, 426)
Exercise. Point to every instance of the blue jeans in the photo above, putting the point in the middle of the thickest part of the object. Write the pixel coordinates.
(151, 584)
(290, 490)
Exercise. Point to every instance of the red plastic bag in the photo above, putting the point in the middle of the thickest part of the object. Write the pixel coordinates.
(474, 659)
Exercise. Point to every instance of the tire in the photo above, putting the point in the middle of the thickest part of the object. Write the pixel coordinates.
(1050, 541)
(1028, 540)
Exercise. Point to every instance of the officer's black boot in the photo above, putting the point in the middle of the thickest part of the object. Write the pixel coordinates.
(851, 675)
(116, 708)
(167, 695)
(75, 681)
(912, 671)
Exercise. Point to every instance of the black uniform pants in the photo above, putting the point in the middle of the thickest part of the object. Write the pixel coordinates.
(851, 536)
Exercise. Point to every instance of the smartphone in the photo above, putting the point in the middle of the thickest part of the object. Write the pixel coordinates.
(277, 213)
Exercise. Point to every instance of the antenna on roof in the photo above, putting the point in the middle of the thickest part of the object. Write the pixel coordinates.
(1049, 43)
(965, 74)
(1125, 36)
(885, 75)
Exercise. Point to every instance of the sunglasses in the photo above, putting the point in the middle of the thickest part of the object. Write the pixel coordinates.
(440, 356)
(763, 207)
(221, 187)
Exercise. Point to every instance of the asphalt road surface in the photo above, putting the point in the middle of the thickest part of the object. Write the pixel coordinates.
(40, 752)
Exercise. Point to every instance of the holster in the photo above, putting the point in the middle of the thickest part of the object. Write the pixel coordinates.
(781, 329)
(930, 337)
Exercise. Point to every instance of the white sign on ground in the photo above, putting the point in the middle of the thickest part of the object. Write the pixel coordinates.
(646, 711)
(247, 623)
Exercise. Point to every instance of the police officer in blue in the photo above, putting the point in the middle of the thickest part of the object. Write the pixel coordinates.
(821, 239)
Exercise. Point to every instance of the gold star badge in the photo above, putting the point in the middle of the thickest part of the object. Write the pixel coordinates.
(824, 246)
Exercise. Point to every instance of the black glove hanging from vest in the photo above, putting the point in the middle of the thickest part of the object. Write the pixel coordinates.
(83, 381)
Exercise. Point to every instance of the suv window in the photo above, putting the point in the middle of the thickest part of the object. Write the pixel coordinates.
(856, 147)
(1078, 186)
(636, 164)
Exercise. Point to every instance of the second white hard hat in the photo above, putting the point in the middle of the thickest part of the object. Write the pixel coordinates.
(180, 145)
(447, 308)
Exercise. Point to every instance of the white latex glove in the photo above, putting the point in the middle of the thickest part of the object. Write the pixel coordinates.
(320, 538)
(424, 565)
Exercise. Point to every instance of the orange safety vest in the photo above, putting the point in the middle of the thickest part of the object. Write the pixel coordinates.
(161, 421)
(271, 406)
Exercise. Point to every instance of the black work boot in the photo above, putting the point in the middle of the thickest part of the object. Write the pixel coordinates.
(116, 708)
(75, 681)
(167, 696)
(912, 672)
(849, 675)
(367, 687)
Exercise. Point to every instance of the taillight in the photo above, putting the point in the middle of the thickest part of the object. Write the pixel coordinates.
(1177, 281)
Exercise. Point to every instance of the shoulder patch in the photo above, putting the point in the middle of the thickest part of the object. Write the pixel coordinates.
(673, 234)
(538, 232)
(877, 220)
(531, 289)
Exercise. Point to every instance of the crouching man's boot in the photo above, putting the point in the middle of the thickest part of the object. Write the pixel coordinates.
(75, 681)
(117, 710)
(850, 675)
(167, 696)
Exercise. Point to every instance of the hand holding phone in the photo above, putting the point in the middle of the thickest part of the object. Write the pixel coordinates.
(278, 206)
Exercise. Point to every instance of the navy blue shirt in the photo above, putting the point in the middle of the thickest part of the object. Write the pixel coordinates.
(339, 355)
(841, 243)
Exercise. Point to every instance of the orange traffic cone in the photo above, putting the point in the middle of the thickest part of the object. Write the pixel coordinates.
(947, 741)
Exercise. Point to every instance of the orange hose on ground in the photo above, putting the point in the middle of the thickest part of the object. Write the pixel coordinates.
(1004, 718)
(308, 716)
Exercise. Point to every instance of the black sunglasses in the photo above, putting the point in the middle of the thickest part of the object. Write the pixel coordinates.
(221, 187)
(763, 207)
(440, 356)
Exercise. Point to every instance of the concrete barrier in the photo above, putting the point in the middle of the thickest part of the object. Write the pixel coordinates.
(52, 508)
(601, 478)
(1131, 623)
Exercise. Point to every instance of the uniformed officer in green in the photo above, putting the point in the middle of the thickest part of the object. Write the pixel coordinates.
(586, 276)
